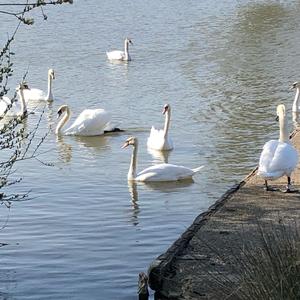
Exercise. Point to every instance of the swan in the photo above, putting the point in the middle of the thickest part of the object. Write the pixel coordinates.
(37, 94)
(14, 108)
(90, 122)
(278, 157)
(295, 107)
(120, 55)
(158, 139)
(160, 172)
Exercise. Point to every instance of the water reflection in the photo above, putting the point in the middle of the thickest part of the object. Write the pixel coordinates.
(64, 149)
(168, 186)
(50, 115)
(94, 144)
(159, 156)
(132, 187)
(121, 66)
(97, 143)
(256, 19)
(118, 63)
(296, 119)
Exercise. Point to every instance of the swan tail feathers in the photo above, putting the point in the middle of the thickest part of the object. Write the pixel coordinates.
(197, 169)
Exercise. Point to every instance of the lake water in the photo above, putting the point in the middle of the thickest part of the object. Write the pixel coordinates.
(223, 66)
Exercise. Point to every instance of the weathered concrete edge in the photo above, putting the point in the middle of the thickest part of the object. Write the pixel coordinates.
(162, 264)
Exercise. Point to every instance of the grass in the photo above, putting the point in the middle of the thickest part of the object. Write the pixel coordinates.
(268, 271)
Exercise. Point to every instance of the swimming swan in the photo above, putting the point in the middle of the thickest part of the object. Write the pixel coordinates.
(158, 139)
(120, 55)
(295, 107)
(89, 123)
(160, 172)
(37, 94)
(17, 107)
(278, 157)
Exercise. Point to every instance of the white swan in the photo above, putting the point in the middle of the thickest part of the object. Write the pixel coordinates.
(278, 157)
(15, 108)
(296, 107)
(37, 94)
(90, 122)
(158, 139)
(120, 55)
(160, 172)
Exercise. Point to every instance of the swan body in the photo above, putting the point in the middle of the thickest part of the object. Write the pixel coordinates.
(120, 55)
(90, 122)
(15, 108)
(160, 172)
(159, 139)
(166, 172)
(34, 94)
(278, 158)
(296, 104)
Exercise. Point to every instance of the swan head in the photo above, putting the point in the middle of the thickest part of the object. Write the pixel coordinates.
(62, 109)
(295, 85)
(130, 141)
(51, 73)
(22, 86)
(167, 108)
(128, 41)
(280, 111)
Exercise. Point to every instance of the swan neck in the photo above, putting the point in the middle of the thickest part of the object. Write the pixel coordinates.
(296, 101)
(126, 49)
(283, 127)
(167, 123)
(49, 94)
(63, 121)
(132, 169)
(23, 103)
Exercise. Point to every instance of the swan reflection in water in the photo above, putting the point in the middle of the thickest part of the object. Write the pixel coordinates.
(159, 156)
(132, 187)
(64, 149)
(94, 144)
(296, 119)
(97, 143)
(168, 186)
(164, 187)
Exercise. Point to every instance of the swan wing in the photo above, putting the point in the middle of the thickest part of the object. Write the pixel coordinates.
(116, 54)
(90, 122)
(34, 94)
(277, 159)
(165, 172)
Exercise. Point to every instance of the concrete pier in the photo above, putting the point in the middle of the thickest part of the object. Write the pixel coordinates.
(191, 266)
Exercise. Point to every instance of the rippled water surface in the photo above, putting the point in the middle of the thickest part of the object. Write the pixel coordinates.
(222, 65)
